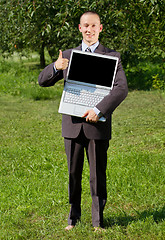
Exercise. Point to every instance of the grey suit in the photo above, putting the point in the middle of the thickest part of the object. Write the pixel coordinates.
(94, 137)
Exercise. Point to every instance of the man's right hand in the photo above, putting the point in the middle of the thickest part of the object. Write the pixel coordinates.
(61, 63)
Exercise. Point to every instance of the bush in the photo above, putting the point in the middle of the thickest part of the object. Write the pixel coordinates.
(157, 83)
(146, 76)
(20, 78)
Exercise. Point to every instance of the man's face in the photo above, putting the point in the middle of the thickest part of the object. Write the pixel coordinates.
(90, 27)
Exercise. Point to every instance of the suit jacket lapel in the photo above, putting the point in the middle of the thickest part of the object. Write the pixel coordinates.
(100, 49)
(79, 47)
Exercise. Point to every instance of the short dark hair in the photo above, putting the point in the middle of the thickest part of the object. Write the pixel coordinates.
(90, 12)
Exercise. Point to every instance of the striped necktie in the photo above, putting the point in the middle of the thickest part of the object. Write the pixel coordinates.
(88, 49)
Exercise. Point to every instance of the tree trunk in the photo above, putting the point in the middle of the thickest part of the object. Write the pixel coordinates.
(42, 56)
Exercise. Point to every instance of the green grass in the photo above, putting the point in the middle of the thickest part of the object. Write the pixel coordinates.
(33, 167)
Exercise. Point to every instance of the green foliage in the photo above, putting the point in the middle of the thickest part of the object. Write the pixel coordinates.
(141, 76)
(18, 77)
(158, 83)
(135, 28)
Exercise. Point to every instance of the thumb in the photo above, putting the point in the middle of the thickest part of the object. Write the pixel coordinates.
(60, 54)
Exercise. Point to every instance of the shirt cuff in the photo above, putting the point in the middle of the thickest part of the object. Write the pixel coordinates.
(55, 68)
(97, 111)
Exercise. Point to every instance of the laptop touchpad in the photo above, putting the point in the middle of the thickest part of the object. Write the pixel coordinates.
(80, 110)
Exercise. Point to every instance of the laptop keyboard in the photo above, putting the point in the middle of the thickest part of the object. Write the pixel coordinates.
(77, 96)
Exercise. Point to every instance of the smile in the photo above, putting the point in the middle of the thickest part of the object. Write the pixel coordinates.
(90, 35)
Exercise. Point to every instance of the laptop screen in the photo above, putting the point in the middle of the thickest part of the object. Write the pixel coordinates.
(92, 68)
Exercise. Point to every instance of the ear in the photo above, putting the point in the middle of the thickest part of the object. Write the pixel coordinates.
(79, 27)
(101, 27)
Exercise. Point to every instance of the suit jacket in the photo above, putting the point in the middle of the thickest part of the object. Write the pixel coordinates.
(71, 125)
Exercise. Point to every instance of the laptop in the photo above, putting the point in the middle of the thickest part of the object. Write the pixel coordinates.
(89, 79)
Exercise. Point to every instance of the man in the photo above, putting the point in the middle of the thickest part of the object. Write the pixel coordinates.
(87, 132)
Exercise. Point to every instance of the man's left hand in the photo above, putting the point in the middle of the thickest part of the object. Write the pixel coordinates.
(91, 116)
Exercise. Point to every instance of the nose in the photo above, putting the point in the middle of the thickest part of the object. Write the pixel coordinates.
(89, 29)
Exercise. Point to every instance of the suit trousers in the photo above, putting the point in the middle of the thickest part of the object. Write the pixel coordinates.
(96, 152)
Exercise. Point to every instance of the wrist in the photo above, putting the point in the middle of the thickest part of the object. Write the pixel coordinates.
(55, 67)
(97, 111)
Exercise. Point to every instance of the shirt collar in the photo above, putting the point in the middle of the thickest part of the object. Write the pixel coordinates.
(92, 47)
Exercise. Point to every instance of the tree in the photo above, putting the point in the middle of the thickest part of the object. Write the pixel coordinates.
(135, 28)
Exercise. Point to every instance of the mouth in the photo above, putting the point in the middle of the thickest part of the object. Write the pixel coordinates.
(90, 35)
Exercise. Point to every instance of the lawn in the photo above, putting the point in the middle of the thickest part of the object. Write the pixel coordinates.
(33, 167)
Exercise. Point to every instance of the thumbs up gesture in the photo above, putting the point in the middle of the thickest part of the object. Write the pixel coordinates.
(61, 63)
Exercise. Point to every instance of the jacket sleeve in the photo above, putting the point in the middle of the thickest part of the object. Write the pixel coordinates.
(117, 94)
(48, 77)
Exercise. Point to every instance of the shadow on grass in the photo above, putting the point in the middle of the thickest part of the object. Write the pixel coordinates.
(158, 216)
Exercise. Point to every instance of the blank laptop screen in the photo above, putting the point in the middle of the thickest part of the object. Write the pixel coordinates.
(92, 69)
